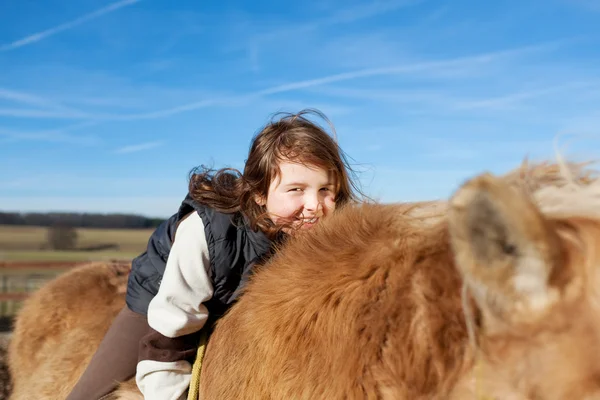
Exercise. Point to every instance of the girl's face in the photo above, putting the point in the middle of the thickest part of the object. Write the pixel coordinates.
(300, 195)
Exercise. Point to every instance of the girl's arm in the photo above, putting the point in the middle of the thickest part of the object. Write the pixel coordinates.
(175, 315)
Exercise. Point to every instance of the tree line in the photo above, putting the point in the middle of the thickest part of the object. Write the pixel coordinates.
(80, 220)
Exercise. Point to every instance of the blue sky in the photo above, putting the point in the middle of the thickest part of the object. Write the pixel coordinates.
(106, 106)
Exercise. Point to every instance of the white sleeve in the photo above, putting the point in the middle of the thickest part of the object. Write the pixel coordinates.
(178, 309)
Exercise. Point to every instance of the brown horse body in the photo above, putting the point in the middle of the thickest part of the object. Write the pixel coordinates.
(370, 304)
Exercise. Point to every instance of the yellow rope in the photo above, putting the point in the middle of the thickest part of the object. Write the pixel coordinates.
(479, 387)
(194, 391)
(469, 319)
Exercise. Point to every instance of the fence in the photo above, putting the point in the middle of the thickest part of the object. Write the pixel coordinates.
(19, 279)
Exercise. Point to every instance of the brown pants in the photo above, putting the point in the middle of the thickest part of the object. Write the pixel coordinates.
(116, 358)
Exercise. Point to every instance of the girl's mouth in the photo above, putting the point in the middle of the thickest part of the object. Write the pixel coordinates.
(308, 222)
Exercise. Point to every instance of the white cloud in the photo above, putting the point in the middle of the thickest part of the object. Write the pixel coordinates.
(42, 114)
(348, 15)
(53, 135)
(25, 98)
(467, 62)
(36, 37)
(45, 108)
(138, 147)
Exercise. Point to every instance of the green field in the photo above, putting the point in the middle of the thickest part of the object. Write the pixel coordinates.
(27, 243)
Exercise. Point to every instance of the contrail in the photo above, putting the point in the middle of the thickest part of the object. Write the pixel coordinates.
(468, 61)
(36, 37)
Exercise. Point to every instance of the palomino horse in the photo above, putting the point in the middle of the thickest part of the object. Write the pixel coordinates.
(492, 295)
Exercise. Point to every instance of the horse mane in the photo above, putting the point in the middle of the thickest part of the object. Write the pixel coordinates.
(565, 190)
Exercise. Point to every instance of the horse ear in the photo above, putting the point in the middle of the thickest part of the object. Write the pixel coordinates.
(504, 248)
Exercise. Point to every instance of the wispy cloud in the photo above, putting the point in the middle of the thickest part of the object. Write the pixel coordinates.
(413, 97)
(514, 98)
(482, 150)
(60, 135)
(49, 109)
(349, 15)
(457, 98)
(254, 56)
(49, 114)
(343, 16)
(110, 102)
(57, 110)
(138, 147)
(364, 11)
(468, 62)
(25, 98)
(36, 37)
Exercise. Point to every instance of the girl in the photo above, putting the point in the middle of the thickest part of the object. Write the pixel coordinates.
(294, 176)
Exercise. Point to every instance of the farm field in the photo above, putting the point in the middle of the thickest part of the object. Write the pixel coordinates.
(26, 262)
(28, 243)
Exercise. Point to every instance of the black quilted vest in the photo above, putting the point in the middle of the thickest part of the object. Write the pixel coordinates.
(233, 249)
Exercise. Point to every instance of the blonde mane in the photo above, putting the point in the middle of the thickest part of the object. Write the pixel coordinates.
(560, 190)
(567, 190)
(570, 192)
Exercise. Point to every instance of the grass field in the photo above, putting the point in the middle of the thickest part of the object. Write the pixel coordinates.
(27, 243)
(26, 264)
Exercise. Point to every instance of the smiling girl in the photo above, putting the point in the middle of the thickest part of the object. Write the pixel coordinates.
(198, 261)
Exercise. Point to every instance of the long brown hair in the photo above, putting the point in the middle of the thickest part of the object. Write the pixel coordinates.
(289, 137)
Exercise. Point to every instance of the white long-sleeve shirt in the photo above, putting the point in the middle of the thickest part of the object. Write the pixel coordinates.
(175, 311)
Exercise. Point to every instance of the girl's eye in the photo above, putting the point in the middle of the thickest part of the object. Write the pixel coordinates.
(294, 190)
(325, 189)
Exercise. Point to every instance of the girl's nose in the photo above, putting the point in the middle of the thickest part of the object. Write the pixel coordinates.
(313, 203)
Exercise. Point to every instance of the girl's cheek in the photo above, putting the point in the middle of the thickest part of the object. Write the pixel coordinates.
(291, 208)
(330, 202)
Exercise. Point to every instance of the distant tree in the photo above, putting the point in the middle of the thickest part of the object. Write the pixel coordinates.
(80, 220)
(11, 218)
(62, 237)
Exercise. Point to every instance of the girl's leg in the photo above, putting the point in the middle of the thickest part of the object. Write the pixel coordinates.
(116, 358)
